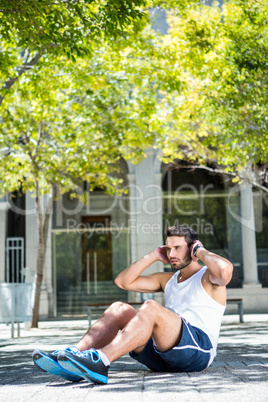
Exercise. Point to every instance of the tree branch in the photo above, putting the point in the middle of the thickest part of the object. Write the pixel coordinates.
(216, 171)
(22, 69)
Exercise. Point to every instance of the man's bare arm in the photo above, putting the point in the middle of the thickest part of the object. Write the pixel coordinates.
(220, 269)
(131, 278)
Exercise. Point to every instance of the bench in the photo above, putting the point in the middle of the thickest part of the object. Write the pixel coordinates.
(103, 306)
(239, 303)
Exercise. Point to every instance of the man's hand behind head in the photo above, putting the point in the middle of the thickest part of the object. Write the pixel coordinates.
(194, 258)
(162, 254)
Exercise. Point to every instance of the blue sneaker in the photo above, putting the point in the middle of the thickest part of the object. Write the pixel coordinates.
(48, 363)
(87, 364)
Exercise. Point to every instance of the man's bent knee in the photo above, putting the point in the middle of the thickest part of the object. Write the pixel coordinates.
(150, 308)
(149, 305)
(116, 305)
(120, 309)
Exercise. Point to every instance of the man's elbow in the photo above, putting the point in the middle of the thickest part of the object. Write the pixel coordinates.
(119, 283)
(226, 272)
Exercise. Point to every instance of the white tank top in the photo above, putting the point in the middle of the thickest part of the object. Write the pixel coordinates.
(190, 300)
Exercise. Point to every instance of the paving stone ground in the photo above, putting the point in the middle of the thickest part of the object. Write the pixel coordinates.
(239, 372)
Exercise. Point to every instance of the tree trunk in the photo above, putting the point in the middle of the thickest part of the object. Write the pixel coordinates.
(35, 316)
(43, 225)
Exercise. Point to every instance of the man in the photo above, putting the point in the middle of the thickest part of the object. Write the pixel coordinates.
(182, 336)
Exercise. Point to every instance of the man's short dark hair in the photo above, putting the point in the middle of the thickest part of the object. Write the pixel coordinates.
(183, 231)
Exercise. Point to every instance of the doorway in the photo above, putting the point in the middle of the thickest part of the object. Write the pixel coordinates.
(86, 261)
(96, 252)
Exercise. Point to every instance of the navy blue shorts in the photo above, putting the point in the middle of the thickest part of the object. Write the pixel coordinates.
(191, 354)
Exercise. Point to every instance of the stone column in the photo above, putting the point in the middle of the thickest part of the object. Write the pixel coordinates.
(145, 203)
(3, 226)
(248, 236)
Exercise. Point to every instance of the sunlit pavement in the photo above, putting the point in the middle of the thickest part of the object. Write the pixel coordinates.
(239, 372)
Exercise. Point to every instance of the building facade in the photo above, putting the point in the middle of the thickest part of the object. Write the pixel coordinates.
(89, 244)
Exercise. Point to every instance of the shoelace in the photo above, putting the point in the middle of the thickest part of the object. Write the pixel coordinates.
(91, 353)
(71, 349)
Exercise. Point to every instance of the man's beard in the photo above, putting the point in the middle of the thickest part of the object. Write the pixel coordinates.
(182, 265)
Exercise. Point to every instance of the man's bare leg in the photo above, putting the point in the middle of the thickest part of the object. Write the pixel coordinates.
(105, 329)
(151, 320)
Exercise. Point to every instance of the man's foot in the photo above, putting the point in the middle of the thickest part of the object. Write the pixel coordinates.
(87, 364)
(48, 363)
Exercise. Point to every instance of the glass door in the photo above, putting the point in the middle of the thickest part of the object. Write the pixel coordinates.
(96, 253)
(85, 263)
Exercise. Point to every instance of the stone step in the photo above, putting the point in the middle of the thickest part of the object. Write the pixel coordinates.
(72, 303)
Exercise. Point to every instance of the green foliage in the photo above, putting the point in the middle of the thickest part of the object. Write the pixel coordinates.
(74, 121)
(219, 55)
(30, 29)
(66, 25)
(199, 92)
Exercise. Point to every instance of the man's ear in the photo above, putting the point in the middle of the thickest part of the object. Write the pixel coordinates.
(193, 242)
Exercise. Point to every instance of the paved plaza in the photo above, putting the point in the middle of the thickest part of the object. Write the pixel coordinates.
(239, 372)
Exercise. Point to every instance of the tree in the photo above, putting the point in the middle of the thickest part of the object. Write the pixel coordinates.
(30, 29)
(219, 59)
(69, 121)
(56, 133)
(73, 123)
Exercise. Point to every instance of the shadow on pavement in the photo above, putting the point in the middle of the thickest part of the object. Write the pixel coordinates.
(125, 375)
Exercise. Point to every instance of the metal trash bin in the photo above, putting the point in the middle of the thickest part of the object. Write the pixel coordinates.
(15, 304)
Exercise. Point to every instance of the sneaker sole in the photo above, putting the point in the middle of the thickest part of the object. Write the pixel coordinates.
(78, 368)
(50, 366)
